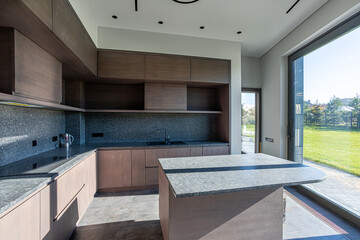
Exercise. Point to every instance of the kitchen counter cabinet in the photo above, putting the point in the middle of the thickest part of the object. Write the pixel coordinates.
(216, 150)
(114, 168)
(138, 160)
(23, 222)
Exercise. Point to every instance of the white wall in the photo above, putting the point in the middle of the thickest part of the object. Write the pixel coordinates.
(86, 15)
(250, 72)
(131, 40)
(274, 70)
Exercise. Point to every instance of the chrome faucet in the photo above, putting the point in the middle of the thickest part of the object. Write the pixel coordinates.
(167, 137)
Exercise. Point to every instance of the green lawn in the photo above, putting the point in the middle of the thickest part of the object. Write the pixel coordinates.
(249, 128)
(339, 148)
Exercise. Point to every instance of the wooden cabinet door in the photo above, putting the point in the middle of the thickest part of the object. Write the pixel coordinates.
(122, 65)
(37, 73)
(138, 167)
(92, 179)
(47, 212)
(90, 54)
(196, 151)
(114, 168)
(42, 9)
(69, 185)
(210, 70)
(160, 96)
(68, 28)
(23, 222)
(167, 68)
(152, 177)
(215, 150)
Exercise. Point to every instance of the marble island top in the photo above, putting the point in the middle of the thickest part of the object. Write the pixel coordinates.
(196, 176)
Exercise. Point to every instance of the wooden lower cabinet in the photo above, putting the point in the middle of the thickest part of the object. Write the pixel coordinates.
(196, 151)
(138, 168)
(47, 212)
(23, 222)
(152, 155)
(114, 168)
(216, 150)
(152, 176)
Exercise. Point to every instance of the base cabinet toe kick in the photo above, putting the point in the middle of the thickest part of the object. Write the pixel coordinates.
(227, 197)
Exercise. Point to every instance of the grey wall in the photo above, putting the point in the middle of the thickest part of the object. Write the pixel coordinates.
(250, 72)
(135, 127)
(20, 126)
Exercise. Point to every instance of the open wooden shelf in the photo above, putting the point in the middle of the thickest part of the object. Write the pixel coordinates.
(19, 101)
(153, 111)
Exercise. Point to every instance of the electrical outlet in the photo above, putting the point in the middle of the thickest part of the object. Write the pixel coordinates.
(97, 135)
(34, 143)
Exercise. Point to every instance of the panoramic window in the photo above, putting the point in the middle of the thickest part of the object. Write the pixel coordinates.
(324, 113)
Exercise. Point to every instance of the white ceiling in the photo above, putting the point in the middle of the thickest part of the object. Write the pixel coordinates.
(263, 22)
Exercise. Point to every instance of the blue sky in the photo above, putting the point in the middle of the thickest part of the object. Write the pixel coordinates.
(333, 69)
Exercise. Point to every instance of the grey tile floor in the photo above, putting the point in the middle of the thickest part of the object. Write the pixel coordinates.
(135, 216)
(340, 187)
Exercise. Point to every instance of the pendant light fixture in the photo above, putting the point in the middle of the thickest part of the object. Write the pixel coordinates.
(186, 2)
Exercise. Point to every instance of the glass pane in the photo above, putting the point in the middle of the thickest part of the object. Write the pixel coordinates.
(248, 121)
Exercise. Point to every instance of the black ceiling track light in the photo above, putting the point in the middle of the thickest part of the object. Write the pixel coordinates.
(186, 2)
(292, 6)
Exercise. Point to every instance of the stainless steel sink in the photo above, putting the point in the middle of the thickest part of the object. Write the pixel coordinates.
(166, 143)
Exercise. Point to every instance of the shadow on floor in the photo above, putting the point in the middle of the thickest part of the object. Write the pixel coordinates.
(129, 230)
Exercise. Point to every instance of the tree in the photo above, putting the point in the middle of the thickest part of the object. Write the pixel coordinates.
(333, 111)
(317, 114)
(307, 113)
(355, 103)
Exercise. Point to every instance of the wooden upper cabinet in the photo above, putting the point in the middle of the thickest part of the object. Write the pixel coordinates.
(210, 70)
(161, 96)
(28, 70)
(122, 65)
(114, 168)
(68, 28)
(42, 9)
(90, 54)
(167, 68)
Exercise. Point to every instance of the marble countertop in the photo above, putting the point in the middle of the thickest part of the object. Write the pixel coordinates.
(19, 180)
(196, 176)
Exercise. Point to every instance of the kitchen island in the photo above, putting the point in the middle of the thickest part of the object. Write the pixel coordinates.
(227, 197)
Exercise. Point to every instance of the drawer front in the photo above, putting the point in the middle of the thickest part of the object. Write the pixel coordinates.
(152, 155)
(216, 150)
(69, 185)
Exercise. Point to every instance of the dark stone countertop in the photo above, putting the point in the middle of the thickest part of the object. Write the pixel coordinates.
(196, 176)
(19, 180)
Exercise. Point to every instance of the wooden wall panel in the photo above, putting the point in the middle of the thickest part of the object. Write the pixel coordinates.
(122, 65)
(159, 96)
(167, 68)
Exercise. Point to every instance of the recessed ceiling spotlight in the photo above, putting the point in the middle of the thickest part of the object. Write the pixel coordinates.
(160, 22)
(186, 1)
(238, 32)
(202, 27)
(114, 16)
